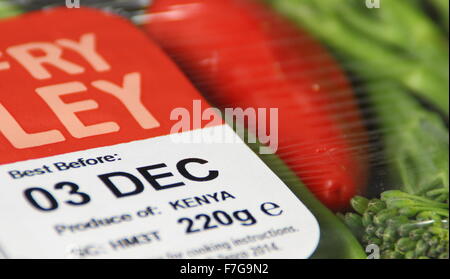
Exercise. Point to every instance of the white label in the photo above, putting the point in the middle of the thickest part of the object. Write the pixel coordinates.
(152, 199)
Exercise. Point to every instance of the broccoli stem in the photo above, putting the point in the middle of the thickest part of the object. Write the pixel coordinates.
(416, 142)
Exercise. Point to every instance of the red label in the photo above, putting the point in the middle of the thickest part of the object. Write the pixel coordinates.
(75, 79)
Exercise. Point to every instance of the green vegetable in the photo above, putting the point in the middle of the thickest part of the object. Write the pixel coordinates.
(416, 142)
(398, 41)
(422, 234)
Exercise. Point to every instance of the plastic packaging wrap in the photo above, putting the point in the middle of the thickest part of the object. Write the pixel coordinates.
(361, 98)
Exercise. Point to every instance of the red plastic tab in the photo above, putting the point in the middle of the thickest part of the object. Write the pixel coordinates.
(75, 79)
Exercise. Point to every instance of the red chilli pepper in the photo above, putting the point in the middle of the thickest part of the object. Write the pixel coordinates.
(242, 54)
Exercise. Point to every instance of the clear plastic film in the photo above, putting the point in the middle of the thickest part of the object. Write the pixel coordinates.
(361, 92)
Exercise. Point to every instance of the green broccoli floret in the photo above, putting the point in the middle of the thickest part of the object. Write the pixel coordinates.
(404, 226)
